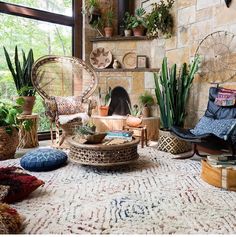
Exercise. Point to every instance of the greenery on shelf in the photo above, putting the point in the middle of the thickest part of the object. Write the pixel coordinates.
(146, 99)
(21, 72)
(127, 21)
(109, 17)
(139, 18)
(160, 19)
(107, 99)
(172, 92)
(8, 115)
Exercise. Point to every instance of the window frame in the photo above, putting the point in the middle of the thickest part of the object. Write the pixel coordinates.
(75, 21)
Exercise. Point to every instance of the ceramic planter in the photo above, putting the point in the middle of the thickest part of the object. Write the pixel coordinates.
(133, 121)
(128, 33)
(138, 31)
(103, 110)
(28, 105)
(146, 111)
(108, 31)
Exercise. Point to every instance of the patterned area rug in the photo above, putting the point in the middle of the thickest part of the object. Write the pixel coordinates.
(155, 195)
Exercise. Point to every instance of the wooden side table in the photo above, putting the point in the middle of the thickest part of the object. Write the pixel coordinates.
(28, 139)
(142, 129)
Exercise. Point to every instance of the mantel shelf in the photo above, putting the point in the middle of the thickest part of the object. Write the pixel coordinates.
(128, 70)
(119, 38)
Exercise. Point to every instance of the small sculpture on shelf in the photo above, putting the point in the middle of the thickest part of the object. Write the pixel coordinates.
(116, 64)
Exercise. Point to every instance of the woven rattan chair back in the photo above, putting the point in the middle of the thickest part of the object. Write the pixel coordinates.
(59, 77)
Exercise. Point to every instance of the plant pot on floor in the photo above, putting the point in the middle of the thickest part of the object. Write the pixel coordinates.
(133, 121)
(28, 104)
(169, 143)
(108, 31)
(138, 31)
(103, 110)
(8, 143)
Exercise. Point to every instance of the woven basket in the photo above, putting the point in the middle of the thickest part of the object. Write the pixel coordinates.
(103, 155)
(169, 143)
(8, 143)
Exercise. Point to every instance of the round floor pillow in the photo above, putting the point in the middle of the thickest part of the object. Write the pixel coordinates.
(43, 159)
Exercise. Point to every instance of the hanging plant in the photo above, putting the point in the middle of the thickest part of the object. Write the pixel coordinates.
(160, 20)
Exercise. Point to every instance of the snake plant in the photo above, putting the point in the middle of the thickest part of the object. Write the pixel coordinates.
(21, 72)
(172, 92)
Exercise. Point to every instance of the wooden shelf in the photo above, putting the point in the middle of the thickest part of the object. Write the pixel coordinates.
(119, 38)
(128, 70)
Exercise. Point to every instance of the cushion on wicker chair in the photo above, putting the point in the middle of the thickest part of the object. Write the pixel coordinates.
(43, 159)
(63, 119)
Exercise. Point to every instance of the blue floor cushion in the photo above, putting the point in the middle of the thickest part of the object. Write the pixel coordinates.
(43, 159)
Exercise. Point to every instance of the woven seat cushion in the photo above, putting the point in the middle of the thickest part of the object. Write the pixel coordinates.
(44, 159)
(16, 184)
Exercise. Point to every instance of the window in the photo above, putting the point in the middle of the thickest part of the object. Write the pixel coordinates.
(46, 32)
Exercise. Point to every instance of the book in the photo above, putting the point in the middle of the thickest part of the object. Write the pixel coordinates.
(121, 133)
(221, 157)
(108, 137)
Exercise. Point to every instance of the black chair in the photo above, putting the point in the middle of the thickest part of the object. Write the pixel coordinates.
(209, 143)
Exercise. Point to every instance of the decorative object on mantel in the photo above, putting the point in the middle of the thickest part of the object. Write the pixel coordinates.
(138, 22)
(146, 100)
(100, 58)
(228, 2)
(104, 105)
(127, 22)
(134, 119)
(129, 60)
(108, 23)
(116, 64)
(172, 92)
(141, 61)
(160, 20)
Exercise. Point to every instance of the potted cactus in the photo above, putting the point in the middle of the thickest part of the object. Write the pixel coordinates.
(172, 91)
(134, 119)
(21, 74)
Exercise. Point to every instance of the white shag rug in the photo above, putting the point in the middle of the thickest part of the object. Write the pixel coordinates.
(155, 195)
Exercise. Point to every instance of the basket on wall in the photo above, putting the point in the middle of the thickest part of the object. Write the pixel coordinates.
(8, 143)
(169, 143)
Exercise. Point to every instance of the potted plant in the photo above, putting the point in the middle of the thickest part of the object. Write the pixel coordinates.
(108, 29)
(134, 119)
(138, 22)
(21, 73)
(104, 104)
(172, 91)
(92, 10)
(9, 137)
(160, 19)
(127, 22)
(146, 100)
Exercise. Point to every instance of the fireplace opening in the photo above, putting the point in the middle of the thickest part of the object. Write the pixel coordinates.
(119, 102)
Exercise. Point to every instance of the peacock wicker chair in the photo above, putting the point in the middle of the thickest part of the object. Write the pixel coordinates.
(65, 84)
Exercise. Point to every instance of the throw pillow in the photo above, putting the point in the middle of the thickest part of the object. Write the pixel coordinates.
(219, 127)
(10, 220)
(43, 159)
(19, 183)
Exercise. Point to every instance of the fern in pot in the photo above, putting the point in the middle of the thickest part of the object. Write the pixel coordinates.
(21, 74)
(172, 92)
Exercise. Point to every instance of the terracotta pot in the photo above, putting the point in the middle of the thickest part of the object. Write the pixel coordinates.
(8, 143)
(146, 112)
(138, 31)
(108, 31)
(133, 121)
(28, 105)
(103, 110)
(128, 33)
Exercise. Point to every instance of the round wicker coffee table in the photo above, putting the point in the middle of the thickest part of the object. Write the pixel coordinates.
(103, 155)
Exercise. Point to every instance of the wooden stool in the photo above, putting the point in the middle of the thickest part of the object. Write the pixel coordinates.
(28, 139)
(143, 133)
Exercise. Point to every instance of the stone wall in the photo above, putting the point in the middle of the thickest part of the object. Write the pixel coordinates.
(194, 19)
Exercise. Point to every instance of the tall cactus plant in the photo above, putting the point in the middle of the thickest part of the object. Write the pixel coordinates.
(172, 91)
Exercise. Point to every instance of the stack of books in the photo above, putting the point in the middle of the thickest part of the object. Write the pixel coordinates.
(221, 161)
(120, 134)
